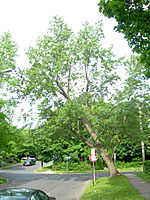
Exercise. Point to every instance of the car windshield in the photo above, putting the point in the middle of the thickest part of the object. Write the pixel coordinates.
(28, 160)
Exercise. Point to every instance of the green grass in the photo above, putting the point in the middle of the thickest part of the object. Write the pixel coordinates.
(44, 169)
(115, 188)
(49, 167)
(2, 181)
(130, 169)
(84, 170)
(144, 176)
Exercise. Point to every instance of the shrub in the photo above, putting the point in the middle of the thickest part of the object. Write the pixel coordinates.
(59, 166)
(99, 164)
(133, 163)
(147, 166)
(71, 166)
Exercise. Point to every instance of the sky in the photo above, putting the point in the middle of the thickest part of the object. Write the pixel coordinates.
(28, 19)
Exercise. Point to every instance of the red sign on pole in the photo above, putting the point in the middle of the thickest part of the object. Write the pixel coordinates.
(93, 158)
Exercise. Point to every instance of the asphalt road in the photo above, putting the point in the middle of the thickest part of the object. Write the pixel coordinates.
(61, 186)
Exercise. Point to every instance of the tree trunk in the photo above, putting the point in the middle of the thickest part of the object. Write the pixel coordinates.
(98, 147)
(108, 161)
(103, 152)
(41, 163)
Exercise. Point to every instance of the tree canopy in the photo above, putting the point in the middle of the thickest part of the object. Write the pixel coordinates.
(133, 19)
(75, 81)
(75, 77)
(8, 53)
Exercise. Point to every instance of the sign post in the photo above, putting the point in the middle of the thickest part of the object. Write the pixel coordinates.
(93, 157)
(67, 157)
(93, 174)
(115, 158)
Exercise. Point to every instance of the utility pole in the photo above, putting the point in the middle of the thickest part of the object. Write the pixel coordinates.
(142, 142)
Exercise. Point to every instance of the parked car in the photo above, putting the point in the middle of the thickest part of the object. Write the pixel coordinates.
(33, 160)
(29, 162)
(24, 194)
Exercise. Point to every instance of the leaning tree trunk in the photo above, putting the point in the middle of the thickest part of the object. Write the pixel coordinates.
(98, 147)
(108, 161)
(103, 152)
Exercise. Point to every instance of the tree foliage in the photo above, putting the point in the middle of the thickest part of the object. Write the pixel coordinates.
(75, 79)
(73, 74)
(8, 53)
(133, 19)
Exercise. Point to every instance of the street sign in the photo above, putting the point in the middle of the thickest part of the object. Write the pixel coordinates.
(93, 158)
(67, 157)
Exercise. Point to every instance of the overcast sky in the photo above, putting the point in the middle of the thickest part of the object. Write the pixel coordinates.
(28, 19)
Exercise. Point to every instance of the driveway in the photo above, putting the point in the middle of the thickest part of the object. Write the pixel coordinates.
(61, 186)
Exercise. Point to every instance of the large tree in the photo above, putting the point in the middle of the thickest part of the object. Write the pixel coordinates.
(133, 19)
(137, 91)
(8, 53)
(75, 75)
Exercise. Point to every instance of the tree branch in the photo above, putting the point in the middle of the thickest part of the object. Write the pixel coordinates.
(62, 91)
(122, 131)
(77, 133)
(91, 132)
(87, 87)
(114, 150)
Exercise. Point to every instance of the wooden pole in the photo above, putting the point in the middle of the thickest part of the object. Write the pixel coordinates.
(142, 142)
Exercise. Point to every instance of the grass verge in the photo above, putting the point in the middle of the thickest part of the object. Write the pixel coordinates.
(116, 188)
(49, 167)
(2, 180)
(44, 169)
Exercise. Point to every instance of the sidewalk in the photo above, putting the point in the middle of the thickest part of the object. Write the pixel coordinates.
(140, 185)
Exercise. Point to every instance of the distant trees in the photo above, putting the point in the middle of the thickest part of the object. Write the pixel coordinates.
(8, 53)
(47, 144)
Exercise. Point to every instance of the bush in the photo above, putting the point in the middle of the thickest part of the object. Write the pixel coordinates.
(99, 164)
(133, 163)
(79, 166)
(147, 166)
(10, 161)
(71, 166)
(59, 166)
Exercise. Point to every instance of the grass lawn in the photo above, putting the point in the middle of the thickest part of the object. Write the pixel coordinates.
(49, 167)
(130, 169)
(44, 169)
(145, 177)
(2, 181)
(115, 188)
